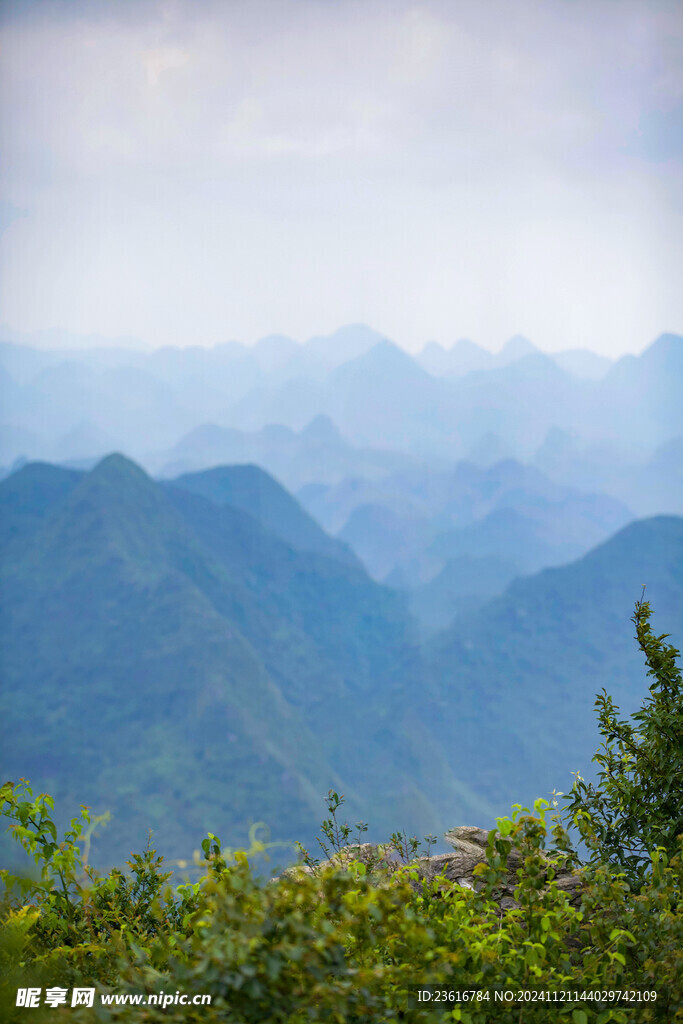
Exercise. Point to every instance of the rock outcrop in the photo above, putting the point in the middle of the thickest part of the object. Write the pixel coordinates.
(457, 868)
(469, 849)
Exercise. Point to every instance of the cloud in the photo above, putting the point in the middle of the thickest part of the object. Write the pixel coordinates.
(156, 62)
(267, 81)
(343, 160)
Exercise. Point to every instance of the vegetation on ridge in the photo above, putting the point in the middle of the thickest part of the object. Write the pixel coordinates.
(170, 637)
(349, 944)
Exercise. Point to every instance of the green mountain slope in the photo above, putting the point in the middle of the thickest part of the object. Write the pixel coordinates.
(252, 490)
(124, 681)
(169, 659)
(27, 496)
(515, 681)
(340, 648)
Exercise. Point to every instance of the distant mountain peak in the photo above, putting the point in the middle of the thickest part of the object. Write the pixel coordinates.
(534, 364)
(116, 466)
(274, 350)
(388, 345)
(580, 362)
(347, 343)
(661, 365)
(463, 345)
(462, 357)
(432, 347)
(321, 428)
(387, 362)
(250, 489)
(665, 346)
(517, 347)
(388, 352)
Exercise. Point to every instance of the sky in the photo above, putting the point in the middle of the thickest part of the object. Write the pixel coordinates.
(194, 171)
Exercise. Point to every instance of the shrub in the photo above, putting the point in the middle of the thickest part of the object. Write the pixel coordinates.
(350, 941)
(637, 805)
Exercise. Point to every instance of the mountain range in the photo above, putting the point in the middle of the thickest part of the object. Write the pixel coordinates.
(197, 653)
(460, 536)
(326, 565)
(184, 662)
(317, 453)
(366, 402)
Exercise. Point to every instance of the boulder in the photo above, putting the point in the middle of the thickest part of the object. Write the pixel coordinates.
(457, 868)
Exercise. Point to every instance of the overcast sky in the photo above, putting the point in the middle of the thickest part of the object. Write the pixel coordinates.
(190, 171)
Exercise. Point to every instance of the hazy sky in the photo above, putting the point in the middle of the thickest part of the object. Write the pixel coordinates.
(189, 171)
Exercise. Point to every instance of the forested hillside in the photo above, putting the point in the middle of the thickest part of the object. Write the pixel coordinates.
(515, 679)
(186, 663)
(196, 667)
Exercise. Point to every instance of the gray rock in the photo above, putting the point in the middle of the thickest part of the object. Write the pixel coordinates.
(379, 856)
(457, 868)
(470, 842)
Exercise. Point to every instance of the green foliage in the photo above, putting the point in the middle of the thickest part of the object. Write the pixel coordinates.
(80, 922)
(348, 940)
(338, 944)
(335, 834)
(636, 807)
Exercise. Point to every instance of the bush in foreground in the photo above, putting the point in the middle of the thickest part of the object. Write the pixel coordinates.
(350, 943)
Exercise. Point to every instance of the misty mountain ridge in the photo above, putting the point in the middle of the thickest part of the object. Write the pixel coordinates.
(464, 356)
(251, 490)
(174, 637)
(317, 452)
(530, 661)
(377, 396)
(208, 626)
(417, 527)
